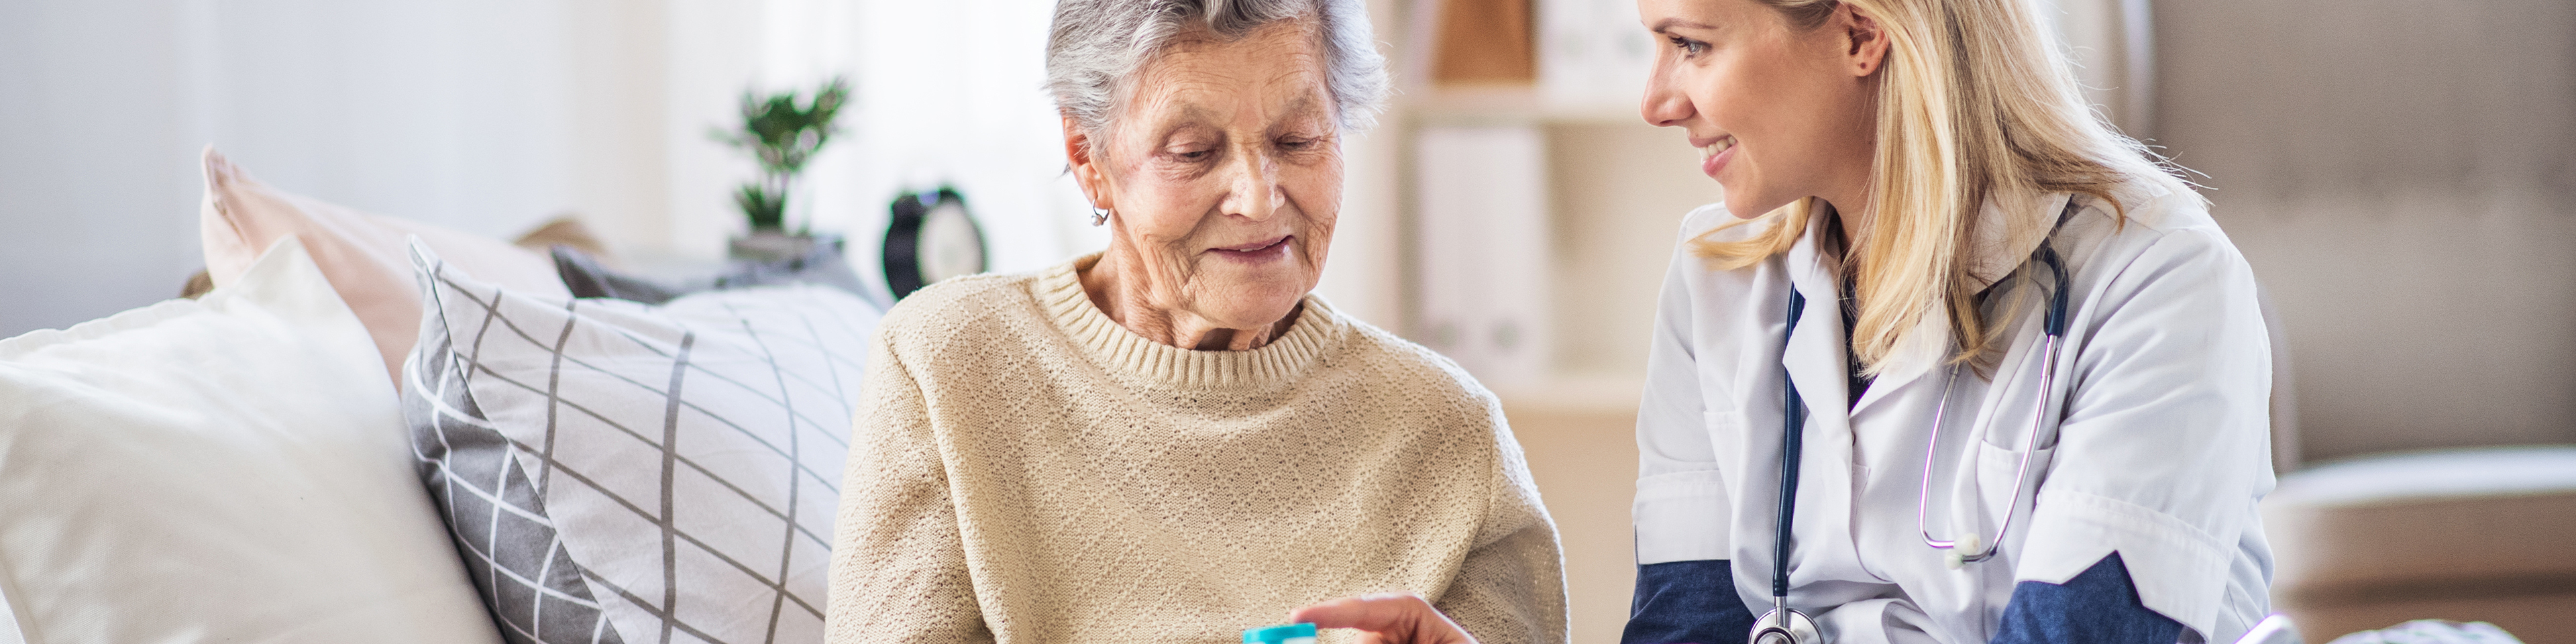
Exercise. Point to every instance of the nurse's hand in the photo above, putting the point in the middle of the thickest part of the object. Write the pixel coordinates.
(1387, 618)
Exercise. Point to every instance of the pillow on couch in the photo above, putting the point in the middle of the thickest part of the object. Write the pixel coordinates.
(616, 471)
(364, 255)
(823, 264)
(230, 469)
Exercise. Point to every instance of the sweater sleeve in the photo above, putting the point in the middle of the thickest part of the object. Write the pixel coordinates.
(898, 564)
(1511, 588)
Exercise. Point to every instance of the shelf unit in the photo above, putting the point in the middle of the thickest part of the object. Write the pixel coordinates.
(1609, 192)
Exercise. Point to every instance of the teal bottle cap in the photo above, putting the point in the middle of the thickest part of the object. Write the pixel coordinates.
(1288, 634)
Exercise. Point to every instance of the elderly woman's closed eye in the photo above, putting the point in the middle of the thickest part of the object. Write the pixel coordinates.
(1173, 439)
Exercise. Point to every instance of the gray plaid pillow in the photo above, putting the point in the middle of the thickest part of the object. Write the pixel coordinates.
(619, 472)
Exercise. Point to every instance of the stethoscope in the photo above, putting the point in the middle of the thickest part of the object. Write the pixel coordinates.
(1785, 625)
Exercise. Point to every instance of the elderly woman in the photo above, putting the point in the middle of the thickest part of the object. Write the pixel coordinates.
(1173, 440)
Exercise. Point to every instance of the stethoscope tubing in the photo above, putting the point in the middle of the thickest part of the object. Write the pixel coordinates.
(1792, 444)
(2054, 331)
(1782, 624)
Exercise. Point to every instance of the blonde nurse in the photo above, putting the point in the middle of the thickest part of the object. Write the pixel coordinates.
(1953, 362)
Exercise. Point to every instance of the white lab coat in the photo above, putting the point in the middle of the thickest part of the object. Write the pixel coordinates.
(2160, 453)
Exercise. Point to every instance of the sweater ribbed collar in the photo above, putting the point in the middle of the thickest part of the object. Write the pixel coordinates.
(1318, 329)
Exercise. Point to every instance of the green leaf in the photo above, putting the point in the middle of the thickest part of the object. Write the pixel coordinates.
(766, 210)
(782, 131)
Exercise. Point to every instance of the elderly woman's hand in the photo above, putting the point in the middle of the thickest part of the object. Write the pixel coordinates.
(1388, 618)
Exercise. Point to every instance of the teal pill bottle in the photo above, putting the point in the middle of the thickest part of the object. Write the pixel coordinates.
(1287, 634)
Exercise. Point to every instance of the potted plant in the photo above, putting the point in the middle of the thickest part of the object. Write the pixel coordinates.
(782, 131)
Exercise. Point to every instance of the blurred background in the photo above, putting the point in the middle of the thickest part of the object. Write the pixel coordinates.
(2401, 174)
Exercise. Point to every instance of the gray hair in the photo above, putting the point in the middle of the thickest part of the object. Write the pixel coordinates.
(1097, 46)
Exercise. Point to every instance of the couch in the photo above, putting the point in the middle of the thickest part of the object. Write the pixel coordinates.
(2466, 535)
(370, 429)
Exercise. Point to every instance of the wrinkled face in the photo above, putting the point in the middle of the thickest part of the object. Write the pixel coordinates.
(1779, 112)
(1224, 173)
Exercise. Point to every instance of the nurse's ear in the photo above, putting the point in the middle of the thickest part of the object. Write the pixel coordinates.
(1863, 39)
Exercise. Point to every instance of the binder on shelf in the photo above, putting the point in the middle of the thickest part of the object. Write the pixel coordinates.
(1484, 42)
(1481, 241)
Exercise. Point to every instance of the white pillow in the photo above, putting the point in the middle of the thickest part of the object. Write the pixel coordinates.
(230, 469)
(9, 624)
(541, 423)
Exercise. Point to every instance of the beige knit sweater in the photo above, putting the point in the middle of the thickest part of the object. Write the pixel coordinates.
(1026, 470)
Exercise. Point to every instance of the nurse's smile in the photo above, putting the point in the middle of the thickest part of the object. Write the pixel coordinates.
(1714, 155)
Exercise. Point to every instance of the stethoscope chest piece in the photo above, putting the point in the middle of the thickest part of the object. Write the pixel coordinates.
(1784, 625)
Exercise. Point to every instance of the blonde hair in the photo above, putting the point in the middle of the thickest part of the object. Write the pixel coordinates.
(1975, 102)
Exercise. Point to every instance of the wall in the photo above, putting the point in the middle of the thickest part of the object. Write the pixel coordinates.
(2402, 175)
(89, 191)
(481, 115)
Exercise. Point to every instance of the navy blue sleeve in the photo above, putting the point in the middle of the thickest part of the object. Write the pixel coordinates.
(1687, 602)
(2100, 605)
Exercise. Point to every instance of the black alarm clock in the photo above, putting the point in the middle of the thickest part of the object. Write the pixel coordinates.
(929, 238)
